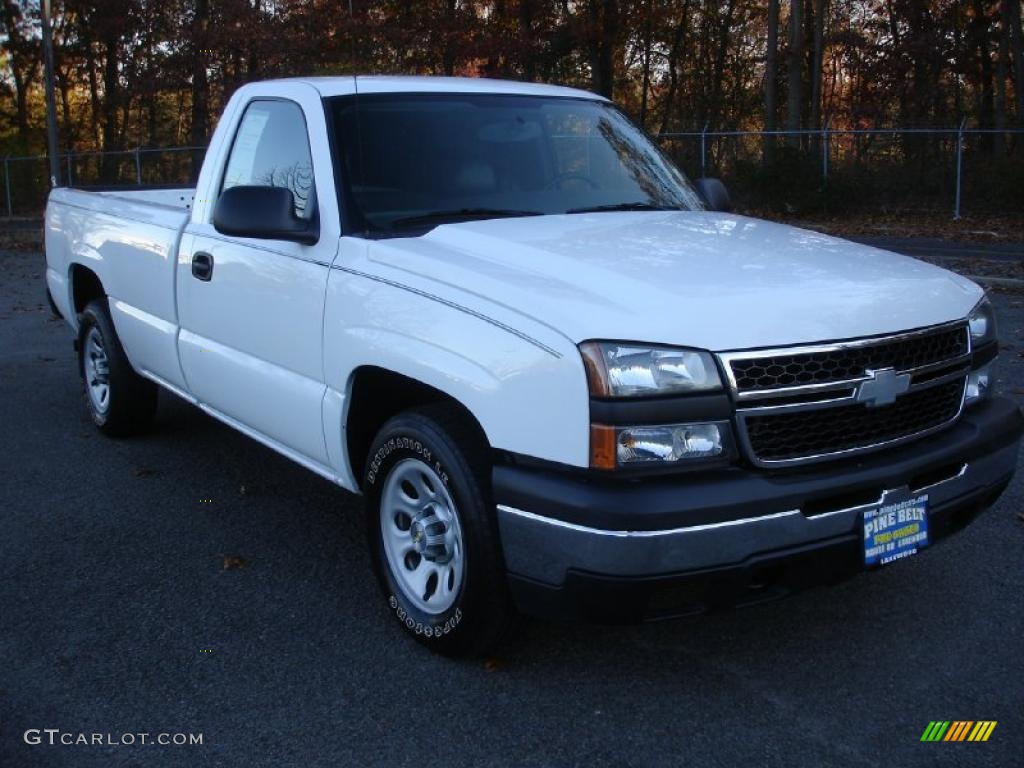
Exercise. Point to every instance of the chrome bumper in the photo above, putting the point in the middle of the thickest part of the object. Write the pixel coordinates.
(544, 549)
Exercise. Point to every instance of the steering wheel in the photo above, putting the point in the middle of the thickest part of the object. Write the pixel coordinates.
(558, 178)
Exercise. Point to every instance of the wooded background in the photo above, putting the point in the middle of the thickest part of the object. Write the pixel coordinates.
(153, 73)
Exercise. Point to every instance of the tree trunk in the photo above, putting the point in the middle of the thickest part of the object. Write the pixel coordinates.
(111, 107)
(985, 97)
(794, 99)
(448, 57)
(771, 78)
(645, 80)
(678, 37)
(603, 33)
(526, 38)
(91, 68)
(820, 12)
(718, 69)
(1017, 48)
(1002, 72)
(64, 88)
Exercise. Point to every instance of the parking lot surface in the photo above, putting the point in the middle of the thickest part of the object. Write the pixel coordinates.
(117, 615)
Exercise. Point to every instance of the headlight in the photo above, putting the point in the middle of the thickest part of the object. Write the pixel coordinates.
(635, 370)
(982, 322)
(669, 443)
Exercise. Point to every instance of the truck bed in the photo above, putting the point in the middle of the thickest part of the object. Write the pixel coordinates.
(129, 238)
(166, 197)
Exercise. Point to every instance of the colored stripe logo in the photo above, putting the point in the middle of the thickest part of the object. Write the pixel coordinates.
(959, 730)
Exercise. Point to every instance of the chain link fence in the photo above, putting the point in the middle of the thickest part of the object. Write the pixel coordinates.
(954, 170)
(26, 179)
(958, 170)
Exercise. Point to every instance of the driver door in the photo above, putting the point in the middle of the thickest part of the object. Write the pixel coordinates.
(251, 314)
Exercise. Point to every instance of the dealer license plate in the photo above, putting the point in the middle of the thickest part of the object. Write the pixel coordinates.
(894, 531)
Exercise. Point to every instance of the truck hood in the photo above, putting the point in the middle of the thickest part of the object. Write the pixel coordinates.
(709, 280)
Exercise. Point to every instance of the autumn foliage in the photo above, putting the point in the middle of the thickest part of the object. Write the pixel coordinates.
(155, 73)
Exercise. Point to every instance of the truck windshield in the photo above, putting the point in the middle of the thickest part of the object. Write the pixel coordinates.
(411, 161)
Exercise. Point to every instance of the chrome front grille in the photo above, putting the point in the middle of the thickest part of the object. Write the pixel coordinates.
(797, 405)
(840, 363)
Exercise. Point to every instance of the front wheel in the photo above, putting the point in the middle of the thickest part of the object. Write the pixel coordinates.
(432, 531)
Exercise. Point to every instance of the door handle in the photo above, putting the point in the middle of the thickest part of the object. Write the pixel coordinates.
(202, 266)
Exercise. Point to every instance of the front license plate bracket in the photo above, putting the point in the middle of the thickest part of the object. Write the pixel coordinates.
(895, 530)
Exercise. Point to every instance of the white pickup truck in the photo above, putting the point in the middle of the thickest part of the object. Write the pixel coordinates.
(561, 380)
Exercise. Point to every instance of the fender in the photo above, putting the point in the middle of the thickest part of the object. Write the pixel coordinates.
(516, 389)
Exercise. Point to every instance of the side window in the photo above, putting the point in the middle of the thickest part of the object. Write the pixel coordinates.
(271, 149)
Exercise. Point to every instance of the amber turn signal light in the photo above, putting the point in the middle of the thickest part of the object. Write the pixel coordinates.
(602, 446)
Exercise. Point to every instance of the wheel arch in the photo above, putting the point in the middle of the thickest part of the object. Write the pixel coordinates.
(85, 286)
(376, 394)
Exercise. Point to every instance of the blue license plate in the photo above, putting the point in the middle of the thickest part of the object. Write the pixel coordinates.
(896, 530)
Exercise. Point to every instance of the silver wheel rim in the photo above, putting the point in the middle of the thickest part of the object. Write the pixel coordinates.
(97, 371)
(422, 536)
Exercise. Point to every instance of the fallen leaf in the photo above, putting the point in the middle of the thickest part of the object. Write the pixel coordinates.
(234, 562)
(143, 472)
(492, 665)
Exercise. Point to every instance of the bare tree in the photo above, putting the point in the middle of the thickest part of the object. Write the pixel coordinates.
(676, 48)
(645, 58)
(1017, 45)
(603, 31)
(821, 8)
(1002, 72)
(794, 100)
(771, 78)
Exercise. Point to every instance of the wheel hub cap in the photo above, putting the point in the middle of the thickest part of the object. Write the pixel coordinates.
(431, 536)
(96, 370)
(422, 536)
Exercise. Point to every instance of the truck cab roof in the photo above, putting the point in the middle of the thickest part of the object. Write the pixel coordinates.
(345, 85)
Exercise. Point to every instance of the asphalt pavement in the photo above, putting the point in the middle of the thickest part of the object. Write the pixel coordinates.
(118, 616)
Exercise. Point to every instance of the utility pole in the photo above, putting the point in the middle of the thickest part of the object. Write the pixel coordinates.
(51, 103)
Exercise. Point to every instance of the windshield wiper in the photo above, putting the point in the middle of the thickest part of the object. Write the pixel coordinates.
(625, 207)
(462, 213)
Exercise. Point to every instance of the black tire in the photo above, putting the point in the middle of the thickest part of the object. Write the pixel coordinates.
(441, 437)
(131, 401)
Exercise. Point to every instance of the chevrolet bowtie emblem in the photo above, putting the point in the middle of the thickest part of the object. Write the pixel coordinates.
(882, 387)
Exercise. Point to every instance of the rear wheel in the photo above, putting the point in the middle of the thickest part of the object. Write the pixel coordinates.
(432, 531)
(120, 401)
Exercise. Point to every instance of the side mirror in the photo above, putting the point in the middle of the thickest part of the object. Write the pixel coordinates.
(714, 193)
(267, 213)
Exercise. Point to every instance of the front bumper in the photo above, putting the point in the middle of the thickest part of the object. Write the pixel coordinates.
(629, 551)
